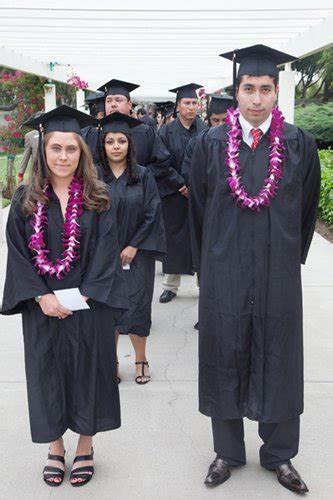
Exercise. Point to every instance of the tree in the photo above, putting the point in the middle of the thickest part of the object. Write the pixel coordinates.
(22, 95)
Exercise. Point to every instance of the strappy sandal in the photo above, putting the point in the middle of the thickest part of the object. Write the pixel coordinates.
(139, 378)
(118, 378)
(52, 472)
(85, 473)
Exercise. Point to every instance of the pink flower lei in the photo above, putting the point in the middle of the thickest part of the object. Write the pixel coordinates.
(70, 235)
(276, 157)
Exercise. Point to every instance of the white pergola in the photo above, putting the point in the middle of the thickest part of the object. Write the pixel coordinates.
(157, 44)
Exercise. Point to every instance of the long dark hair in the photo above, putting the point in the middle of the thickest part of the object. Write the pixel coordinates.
(95, 194)
(131, 168)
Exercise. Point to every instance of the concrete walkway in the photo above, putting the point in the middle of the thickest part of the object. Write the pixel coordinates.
(164, 446)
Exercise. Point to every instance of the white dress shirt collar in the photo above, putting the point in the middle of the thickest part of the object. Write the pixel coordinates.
(247, 127)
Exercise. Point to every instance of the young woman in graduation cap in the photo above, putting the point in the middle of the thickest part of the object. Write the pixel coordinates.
(140, 229)
(61, 235)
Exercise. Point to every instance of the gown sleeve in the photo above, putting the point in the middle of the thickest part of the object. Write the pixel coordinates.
(186, 165)
(150, 235)
(159, 160)
(310, 194)
(173, 180)
(103, 279)
(22, 281)
(197, 201)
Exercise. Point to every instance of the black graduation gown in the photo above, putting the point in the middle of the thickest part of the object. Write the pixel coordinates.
(70, 364)
(250, 308)
(150, 152)
(178, 259)
(140, 225)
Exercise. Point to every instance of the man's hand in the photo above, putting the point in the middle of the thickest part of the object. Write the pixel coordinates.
(184, 191)
(51, 306)
(127, 255)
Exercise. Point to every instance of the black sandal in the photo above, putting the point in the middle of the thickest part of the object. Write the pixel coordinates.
(118, 378)
(85, 473)
(52, 472)
(138, 379)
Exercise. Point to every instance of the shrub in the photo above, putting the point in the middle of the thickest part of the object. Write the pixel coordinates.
(326, 192)
(317, 119)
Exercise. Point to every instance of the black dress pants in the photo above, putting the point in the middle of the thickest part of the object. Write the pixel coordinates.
(280, 439)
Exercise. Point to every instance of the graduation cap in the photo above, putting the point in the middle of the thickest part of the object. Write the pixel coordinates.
(166, 108)
(219, 104)
(62, 119)
(257, 60)
(95, 102)
(188, 90)
(118, 122)
(115, 87)
(185, 91)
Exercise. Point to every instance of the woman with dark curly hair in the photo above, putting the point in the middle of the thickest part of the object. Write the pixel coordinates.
(140, 229)
(62, 240)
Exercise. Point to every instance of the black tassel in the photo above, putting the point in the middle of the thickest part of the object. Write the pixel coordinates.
(40, 151)
(234, 69)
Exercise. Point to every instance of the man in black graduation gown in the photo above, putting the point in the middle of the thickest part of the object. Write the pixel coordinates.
(150, 151)
(175, 136)
(250, 306)
(216, 114)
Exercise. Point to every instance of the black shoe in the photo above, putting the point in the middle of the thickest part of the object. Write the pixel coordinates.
(50, 472)
(167, 296)
(84, 473)
(289, 478)
(218, 473)
(196, 326)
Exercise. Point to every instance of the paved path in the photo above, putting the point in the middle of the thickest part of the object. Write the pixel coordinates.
(164, 446)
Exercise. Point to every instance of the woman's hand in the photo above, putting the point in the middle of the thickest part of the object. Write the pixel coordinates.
(51, 306)
(127, 255)
(184, 191)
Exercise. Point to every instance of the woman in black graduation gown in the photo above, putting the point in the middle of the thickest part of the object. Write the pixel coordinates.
(140, 229)
(58, 231)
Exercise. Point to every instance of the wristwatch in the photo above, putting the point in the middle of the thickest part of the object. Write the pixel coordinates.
(38, 298)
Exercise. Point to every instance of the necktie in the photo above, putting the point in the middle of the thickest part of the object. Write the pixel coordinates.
(256, 134)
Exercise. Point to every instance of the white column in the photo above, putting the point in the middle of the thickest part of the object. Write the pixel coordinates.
(80, 100)
(287, 93)
(49, 96)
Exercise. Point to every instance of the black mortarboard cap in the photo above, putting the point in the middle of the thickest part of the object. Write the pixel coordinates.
(188, 90)
(118, 122)
(114, 87)
(257, 60)
(219, 104)
(62, 119)
(96, 102)
(185, 91)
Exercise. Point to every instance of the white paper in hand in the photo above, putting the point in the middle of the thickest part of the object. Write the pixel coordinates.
(72, 299)
(126, 267)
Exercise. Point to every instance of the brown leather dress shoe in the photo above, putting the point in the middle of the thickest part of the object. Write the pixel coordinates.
(289, 478)
(218, 472)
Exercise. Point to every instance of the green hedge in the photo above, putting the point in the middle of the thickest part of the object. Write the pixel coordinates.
(326, 193)
(317, 119)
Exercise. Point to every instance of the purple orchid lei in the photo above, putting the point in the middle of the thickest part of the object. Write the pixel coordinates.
(70, 235)
(276, 158)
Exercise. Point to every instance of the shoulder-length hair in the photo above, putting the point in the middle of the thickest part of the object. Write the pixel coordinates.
(95, 193)
(131, 165)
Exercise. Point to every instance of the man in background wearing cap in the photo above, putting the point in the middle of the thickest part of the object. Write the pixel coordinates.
(216, 115)
(175, 136)
(30, 150)
(150, 151)
(255, 186)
